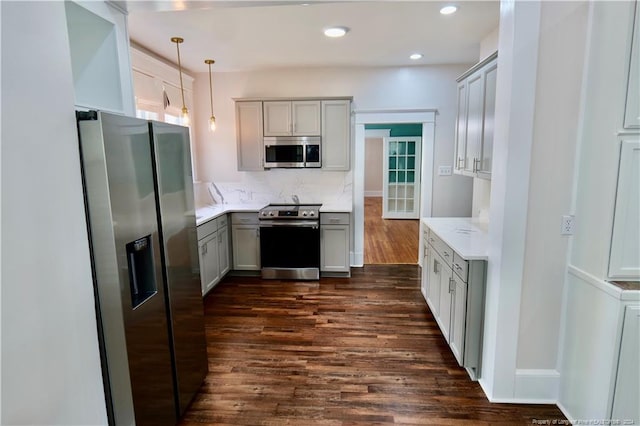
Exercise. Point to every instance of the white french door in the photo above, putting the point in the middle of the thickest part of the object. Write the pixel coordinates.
(401, 175)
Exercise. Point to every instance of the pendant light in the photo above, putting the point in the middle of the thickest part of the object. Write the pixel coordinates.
(185, 111)
(212, 119)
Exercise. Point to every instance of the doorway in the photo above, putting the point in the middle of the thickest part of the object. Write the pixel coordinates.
(379, 230)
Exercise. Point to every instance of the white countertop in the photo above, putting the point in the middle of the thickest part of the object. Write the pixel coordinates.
(466, 236)
(207, 213)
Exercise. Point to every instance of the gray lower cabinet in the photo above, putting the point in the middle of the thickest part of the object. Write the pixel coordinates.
(245, 235)
(335, 238)
(454, 290)
(213, 249)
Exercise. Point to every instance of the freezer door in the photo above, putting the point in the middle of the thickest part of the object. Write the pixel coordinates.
(125, 247)
(182, 268)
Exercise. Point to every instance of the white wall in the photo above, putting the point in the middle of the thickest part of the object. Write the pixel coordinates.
(563, 31)
(50, 360)
(489, 43)
(372, 88)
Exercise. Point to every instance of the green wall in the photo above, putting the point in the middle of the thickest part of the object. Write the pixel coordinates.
(404, 129)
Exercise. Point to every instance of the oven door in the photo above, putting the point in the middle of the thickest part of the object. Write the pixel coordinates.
(290, 249)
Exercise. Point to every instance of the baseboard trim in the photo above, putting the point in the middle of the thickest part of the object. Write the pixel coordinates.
(540, 386)
(357, 259)
(566, 413)
(531, 387)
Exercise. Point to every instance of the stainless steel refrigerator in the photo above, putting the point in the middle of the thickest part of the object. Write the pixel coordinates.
(141, 219)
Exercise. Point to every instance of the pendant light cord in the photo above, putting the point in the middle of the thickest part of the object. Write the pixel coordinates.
(180, 69)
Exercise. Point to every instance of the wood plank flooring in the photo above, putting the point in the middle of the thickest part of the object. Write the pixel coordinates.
(363, 350)
(388, 241)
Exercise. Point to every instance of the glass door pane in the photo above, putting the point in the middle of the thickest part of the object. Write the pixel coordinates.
(401, 187)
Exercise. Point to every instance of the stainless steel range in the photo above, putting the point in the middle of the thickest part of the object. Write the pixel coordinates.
(290, 241)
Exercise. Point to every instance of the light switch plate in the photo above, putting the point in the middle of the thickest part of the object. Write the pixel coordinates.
(444, 170)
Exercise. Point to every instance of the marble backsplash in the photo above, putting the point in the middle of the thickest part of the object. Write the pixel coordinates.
(279, 186)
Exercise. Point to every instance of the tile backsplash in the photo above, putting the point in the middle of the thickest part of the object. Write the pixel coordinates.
(279, 186)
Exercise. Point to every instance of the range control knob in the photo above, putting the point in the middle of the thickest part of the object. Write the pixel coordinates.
(263, 213)
(271, 214)
(312, 213)
(304, 213)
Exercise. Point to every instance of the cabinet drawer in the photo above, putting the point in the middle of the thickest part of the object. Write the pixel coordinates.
(248, 218)
(223, 221)
(460, 267)
(441, 247)
(207, 228)
(334, 218)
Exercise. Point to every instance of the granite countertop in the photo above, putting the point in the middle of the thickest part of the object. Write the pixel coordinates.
(466, 236)
(207, 213)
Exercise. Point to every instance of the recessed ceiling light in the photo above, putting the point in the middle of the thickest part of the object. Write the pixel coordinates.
(416, 56)
(336, 31)
(448, 10)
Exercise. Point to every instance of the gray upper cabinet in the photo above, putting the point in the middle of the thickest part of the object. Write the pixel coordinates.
(475, 119)
(329, 118)
(291, 118)
(336, 134)
(249, 135)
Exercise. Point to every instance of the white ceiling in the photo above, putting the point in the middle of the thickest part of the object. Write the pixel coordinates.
(246, 35)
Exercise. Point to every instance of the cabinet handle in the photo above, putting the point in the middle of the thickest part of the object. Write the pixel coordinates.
(455, 265)
(476, 162)
(452, 285)
(436, 266)
(460, 160)
(204, 249)
(446, 254)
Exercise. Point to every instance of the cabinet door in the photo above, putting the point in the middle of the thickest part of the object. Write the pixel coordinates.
(627, 388)
(334, 248)
(624, 260)
(490, 75)
(632, 107)
(209, 267)
(446, 290)
(475, 101)
(223, 251)
(336, 134)
(458, 317)
(249, 136)
(246, 247)
(277, 118)
(433, 291)
(306, 118)
(461, 127)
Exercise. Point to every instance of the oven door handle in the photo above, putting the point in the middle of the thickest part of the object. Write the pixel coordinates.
(290, 224)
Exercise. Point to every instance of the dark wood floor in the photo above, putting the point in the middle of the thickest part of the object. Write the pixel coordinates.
(358, 351)
(388, 241)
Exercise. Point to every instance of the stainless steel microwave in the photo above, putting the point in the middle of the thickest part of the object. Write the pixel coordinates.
(292, 151)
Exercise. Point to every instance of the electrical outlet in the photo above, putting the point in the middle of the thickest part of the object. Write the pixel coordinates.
(568, 224)
(444, 170)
